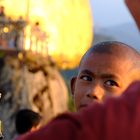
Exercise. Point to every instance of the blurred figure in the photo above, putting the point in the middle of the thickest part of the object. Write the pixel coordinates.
(26, 121)
(134, 8)
(2, 11)
(18, 32)
(35, 36)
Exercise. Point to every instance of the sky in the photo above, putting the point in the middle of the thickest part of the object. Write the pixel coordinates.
(115, 18)
(109, 12)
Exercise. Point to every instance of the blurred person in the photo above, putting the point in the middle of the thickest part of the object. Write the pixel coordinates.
(35, 35)
(18, 33)
(2, 11)
(26, 121)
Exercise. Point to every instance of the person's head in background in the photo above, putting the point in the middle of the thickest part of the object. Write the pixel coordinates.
(27, 120)
(105, 70)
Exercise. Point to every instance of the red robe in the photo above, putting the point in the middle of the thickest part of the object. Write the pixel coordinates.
(116, 119)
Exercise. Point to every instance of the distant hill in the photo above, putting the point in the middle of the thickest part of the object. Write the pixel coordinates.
(126, 33)
(68, 74)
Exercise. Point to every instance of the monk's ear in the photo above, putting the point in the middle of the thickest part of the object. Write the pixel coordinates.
(72, 85)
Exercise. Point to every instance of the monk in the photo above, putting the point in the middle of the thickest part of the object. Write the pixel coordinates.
(116, 119)
(105, 70)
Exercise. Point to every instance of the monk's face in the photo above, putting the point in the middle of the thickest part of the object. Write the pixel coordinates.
(101, 76)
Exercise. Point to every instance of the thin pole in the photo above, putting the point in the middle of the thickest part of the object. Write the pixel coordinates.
(28, 10)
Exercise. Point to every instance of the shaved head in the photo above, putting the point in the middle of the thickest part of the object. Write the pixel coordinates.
(118, 49)
(106, 69)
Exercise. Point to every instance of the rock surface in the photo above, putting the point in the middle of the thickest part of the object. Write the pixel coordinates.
(34, 84)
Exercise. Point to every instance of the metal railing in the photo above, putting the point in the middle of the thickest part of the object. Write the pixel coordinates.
(13, 36)
(11, 33)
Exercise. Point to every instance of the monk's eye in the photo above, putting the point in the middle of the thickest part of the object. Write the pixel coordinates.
(111, 83)
(86, 78)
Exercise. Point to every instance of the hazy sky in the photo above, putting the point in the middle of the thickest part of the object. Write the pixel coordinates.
(110, 12)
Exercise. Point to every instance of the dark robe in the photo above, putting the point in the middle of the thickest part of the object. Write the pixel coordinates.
(115, 119)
